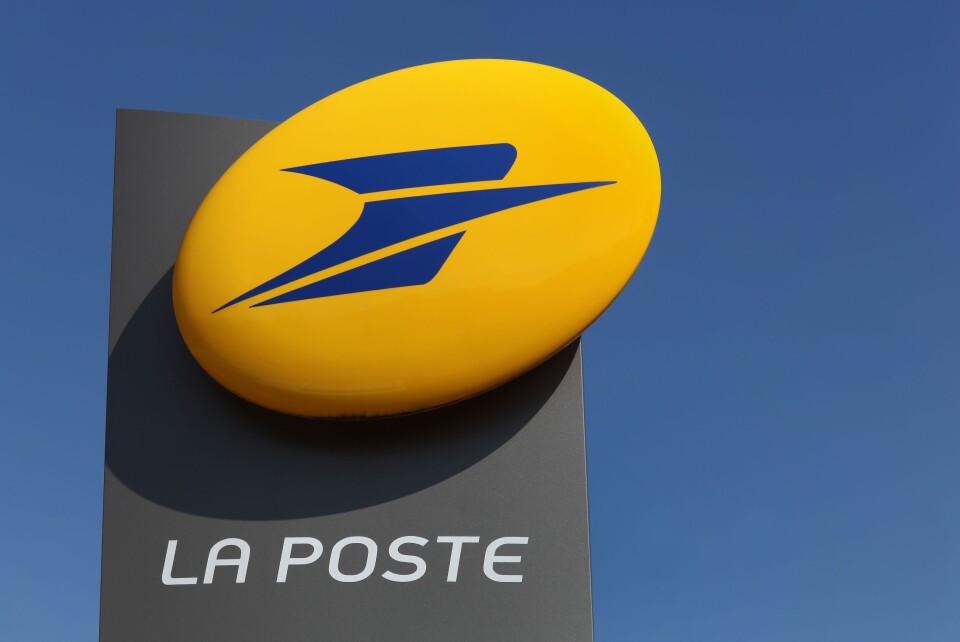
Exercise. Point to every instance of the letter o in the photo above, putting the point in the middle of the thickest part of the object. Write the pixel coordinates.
(368, 567)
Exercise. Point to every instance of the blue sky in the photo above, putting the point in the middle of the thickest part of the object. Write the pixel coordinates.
(772, 404)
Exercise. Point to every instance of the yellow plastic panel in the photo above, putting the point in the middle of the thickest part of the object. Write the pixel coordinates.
(349, 263)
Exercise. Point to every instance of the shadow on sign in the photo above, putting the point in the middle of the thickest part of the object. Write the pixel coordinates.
(177, 438)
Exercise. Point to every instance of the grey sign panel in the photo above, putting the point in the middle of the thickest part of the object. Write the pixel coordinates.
(338, 530)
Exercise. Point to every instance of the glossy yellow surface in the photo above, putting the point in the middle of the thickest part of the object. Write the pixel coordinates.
(521, 284)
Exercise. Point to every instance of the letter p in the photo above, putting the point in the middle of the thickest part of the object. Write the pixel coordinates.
(286, 561)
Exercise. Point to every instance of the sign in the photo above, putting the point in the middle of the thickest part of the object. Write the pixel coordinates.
(416, 239)
(227, 521)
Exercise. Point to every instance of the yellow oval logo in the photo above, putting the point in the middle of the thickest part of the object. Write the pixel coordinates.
(416, 239)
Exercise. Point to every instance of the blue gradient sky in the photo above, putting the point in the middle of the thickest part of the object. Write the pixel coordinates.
(772, 405)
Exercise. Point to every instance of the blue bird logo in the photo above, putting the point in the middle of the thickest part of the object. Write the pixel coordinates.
(386, 222)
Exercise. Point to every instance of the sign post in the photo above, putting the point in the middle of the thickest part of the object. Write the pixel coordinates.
(226, 521)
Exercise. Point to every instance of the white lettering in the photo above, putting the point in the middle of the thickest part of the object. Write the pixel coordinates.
(367, 569)
(421, 566)
(213, 559)
(168, 577)
(491, 558)
(458, 541)
(304, 551)
(286, 561)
